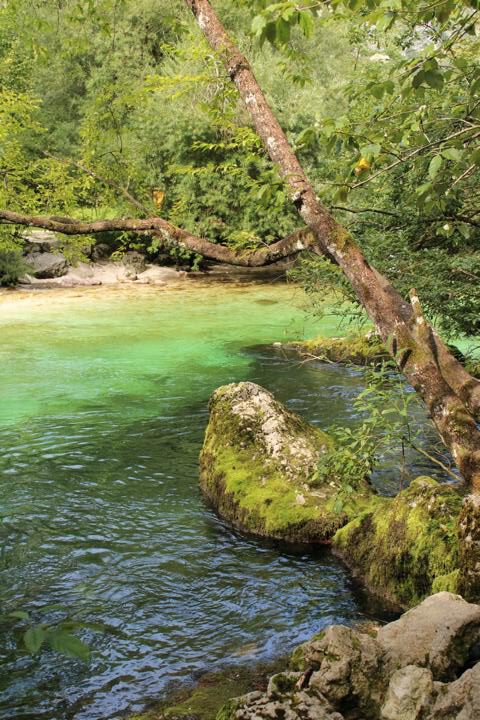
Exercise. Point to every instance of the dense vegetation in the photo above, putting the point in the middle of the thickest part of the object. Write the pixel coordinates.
(379, 98)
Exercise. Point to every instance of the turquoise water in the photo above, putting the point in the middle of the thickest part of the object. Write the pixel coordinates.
(103, 406)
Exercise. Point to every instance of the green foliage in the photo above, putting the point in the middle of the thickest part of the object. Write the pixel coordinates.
(12, 267)
(402, 164)
(379, 98)
(388, 424)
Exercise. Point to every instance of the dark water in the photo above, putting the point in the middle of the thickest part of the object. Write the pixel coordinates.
(104, 404)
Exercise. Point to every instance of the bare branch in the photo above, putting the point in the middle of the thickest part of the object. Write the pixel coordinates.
(170, 234)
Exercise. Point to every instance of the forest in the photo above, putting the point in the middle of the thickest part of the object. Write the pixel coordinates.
(240, 321)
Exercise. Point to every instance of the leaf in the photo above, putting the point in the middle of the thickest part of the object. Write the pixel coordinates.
(259, 23)
(452, 154)
(34, 638)
(418, 79)
(338, 505)
(476, 156)
(435, 165)
(68, 645)
(370, 150)
(282, 31)
(434, 79)
(306, 23)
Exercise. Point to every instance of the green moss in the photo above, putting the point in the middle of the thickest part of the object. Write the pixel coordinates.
(297, 662)
(277, 497)
(405, 544)
(215, 695)
(447, 583)
(357, 348)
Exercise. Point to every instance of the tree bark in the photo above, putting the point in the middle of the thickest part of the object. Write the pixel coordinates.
(451, 396)
(286, 248)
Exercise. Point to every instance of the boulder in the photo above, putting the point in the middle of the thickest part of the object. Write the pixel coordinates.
(414, 669)
(100, 251)
(441, 634)
(283, 699)
(346, 668)
(409, 694)
(134, 262)
(156, 275)
(258, 468)
(47, 265)
(458, 700)
(406, 547)
(36, 240)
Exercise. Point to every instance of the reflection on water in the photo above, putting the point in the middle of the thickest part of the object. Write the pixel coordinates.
(104, 397)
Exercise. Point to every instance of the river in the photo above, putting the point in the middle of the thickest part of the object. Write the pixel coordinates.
(104, 398)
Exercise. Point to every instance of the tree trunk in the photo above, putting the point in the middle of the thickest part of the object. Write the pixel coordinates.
(450, 394)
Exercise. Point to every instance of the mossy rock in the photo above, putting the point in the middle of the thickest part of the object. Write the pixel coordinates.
(406, 547)
(357, 349)
(258, 468)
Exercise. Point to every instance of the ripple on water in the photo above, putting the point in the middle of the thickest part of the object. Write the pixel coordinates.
(100, 429)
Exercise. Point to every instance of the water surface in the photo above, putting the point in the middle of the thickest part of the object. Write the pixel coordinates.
(103, 406)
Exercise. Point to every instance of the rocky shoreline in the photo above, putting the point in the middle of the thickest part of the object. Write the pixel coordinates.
(423, 666)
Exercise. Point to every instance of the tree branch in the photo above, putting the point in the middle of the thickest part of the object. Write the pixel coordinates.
(288, 247)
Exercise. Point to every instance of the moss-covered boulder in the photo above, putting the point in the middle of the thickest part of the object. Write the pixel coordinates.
(356, 348)
(406, 547)
(258, 468)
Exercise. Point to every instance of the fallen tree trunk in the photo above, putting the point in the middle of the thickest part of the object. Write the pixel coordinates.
(451, 396)
(169, 234)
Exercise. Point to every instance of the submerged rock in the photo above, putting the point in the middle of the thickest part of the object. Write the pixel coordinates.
(258, 468)
(401, 674)
(406, 547)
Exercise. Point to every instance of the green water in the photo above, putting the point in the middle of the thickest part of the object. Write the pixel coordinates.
(103, 407)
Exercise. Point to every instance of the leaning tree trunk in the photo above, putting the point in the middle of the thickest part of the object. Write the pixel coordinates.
(450, 394)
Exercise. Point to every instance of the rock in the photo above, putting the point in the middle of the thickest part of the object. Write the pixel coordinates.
(109, 273)
(459, 700)
(100, 251)
(413, 670)
(134, 262)
(347, 668)
(47, 264)
(283, 699)
(41, 241)
(439, 634)
(258, 458)
(409, 694)
(469, 546)
(406, 547)
(357, 349)
(156, 275)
